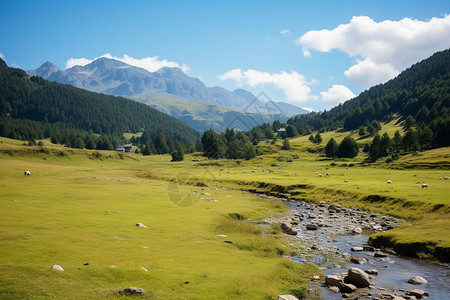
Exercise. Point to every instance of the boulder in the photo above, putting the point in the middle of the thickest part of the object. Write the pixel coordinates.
(357, 230)
(134, 291)
(417, 293)
(348, 288)
(358, 260)
(380, 254)
(372, 272)
(287, 297)
(311, 226)
(357, 249)
(288, 229)
(358, 277)
(57, 268)
(418, 280)
(334, 280)
(333, 289)
(369, 248)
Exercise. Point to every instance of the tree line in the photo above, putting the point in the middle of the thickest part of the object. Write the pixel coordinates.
(33, 108)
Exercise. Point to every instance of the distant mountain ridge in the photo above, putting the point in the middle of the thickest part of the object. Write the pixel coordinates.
(113, 77)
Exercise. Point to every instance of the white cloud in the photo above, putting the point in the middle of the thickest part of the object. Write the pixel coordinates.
(335, 95)
(386, 47)
(294, 86)
(151, 64)
(285, 32)
(71, 62)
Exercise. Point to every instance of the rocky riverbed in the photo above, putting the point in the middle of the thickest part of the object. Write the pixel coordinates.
(335, 238)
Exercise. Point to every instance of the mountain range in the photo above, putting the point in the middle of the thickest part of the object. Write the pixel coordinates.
(113, 77)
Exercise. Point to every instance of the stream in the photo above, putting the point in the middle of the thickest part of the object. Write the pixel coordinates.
(330, 247)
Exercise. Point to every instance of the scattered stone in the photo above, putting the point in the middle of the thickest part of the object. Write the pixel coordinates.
(86, 264)
(358, 277)
(358, 260)
(57, 268)
(201, 183)
(380, 254)
(287, 297)
(418, 280)
(228, 242)
(134, 291)
(288, 229)
(311, 226)
(141, 225)
(333, 280)
(115, 267)
(417, 293)
(348, 288)
(221, 235)
(316, 277)
(144, 269)
(333, 289)
(357, 230)
(369, 248)
(372, 272)
(357, 249)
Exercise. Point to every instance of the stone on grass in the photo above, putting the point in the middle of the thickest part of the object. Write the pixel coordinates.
(57, 268)
(418, 280)
(134, 291)
(287, 297)
(358, 277)
(141, 225)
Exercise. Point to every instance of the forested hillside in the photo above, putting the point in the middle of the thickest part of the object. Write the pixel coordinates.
(34, 108)
(420, 95)
(422, 92)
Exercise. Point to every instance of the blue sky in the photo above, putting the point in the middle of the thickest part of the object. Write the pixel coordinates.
(313, 54)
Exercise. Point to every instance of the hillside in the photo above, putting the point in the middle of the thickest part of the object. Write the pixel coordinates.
(203, 116)
(420, 95)
(113, 77)
(32, 108)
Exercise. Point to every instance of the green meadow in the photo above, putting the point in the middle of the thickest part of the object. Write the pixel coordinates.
(79, 210)
(82, 207)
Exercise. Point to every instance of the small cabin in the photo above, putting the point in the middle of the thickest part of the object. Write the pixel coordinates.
(281, 132)
(126, 148)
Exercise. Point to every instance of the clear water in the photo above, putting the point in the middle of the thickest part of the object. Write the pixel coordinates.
(394, 271)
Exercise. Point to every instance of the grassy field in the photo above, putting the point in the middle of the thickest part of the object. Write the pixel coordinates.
(82, 207)
(78, 208)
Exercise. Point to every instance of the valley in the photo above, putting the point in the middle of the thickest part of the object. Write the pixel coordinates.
(206, 235)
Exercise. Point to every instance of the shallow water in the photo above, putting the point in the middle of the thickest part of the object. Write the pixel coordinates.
(394, 271)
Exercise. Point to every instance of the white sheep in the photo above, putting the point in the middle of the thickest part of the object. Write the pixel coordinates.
(424, 185)
(27, 173)
(389, 181)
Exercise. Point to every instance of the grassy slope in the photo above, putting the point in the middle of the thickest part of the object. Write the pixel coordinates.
(201, 115)
(58, 216)
(426, 210)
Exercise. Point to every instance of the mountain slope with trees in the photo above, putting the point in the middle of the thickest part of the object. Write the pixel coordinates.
(34, 108)
(420, 95)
